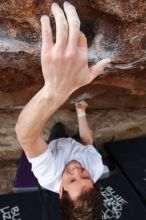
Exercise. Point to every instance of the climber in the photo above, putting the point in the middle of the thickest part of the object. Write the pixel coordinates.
(64, 166)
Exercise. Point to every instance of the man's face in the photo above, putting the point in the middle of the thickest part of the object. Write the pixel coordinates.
(75, 180)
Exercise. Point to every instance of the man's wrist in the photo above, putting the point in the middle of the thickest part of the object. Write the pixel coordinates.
(57, 99)
(80, 113)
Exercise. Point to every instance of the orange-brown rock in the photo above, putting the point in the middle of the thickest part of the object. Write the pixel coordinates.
(114, 29)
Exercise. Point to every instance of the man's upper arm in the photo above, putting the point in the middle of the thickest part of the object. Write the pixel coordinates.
(35, 148)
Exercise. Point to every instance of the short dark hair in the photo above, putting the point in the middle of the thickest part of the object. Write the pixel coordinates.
(88, 205)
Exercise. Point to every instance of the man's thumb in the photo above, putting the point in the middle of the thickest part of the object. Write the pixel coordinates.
(97, 69)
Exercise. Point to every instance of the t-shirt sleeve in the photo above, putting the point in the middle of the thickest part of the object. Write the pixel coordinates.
(94, 162)
(43, 167)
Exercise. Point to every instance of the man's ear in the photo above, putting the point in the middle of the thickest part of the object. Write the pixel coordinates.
(61, 191)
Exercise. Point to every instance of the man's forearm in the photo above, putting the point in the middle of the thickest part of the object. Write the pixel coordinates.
(35, 114)
(84, 131)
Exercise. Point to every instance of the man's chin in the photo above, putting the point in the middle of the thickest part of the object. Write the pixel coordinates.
(71, 164)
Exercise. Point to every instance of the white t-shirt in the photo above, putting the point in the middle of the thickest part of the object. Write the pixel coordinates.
(49, 166)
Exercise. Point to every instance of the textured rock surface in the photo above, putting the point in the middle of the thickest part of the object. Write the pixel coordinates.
(114, 29)
(117, 100)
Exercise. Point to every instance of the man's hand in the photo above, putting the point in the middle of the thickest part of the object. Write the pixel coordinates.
(65, 63)
(84, 130)
(65, 69)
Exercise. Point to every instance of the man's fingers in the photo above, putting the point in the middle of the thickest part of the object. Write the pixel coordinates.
(82, 42)
(61, 26)
(47, 40)
(74, 25)
(97, 69)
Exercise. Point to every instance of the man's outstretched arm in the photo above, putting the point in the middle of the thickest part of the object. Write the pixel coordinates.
(65, 69)
(84, 129)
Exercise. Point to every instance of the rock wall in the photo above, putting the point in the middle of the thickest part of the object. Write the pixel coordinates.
(117, 99)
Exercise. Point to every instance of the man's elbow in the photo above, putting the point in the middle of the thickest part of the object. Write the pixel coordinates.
(20, 134)
(17, 130)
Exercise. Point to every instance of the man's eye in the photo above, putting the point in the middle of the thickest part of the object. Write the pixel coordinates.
(72, 181)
